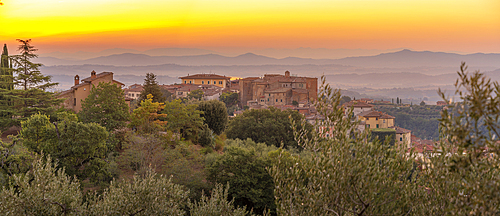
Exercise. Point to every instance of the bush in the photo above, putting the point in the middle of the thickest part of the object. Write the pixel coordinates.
(245, 172)
(216, 205)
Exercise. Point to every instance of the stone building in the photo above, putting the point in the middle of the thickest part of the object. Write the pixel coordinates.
(376, 119)
(357, 107)
(276, 89)
(403, 137)
(81, 89)
(207, 79)
(133, 91)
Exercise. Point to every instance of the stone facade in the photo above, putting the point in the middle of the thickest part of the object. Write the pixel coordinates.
(81, 90)
(276, 89)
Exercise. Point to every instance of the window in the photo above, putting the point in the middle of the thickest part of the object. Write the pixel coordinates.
(85, 89)
(185, 82)
(220, 82)
(383, 120)
(269, 95)
(261, 100)
(276, 100)
(189, 82)
(377, 125)
(281, 100)
(74, 101)
(208, 82)
(268, 99)
(400, 138)
(202, 82)
(132, 95)
(376, 118)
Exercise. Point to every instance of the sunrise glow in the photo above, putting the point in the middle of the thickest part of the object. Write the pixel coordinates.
(92, 25)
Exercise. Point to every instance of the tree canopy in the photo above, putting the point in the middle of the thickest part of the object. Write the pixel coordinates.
(214, 114)
(151, 86)
(230, 98)
(183, 118)
(196, 94)
(26, 92)
(271, 126)
(243, 168)
(79, 147)
(106, 106)
(146, 118)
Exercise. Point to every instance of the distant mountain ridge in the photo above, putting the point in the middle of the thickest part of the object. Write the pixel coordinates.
(404, 58)
(408, 58)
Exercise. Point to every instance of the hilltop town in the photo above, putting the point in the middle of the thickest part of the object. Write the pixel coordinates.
(284, 92)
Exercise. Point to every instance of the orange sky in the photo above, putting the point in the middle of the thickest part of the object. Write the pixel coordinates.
(94, 25)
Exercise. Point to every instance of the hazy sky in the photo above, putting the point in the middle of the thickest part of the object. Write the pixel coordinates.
(94, 25)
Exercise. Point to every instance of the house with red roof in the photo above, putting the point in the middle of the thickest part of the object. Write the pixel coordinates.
(81, 90)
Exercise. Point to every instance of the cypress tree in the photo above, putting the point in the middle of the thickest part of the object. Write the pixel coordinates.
(6, 70)
(6, 90)
(32, 97)
(152, 87)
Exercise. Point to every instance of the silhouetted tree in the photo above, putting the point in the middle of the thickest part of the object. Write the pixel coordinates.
(215, 115)
(31, 95)
(152, 87)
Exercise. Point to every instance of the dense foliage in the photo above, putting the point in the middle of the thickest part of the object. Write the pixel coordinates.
(243, 168)
(230, 98)
(196, 94)
(271, 126)
(146, 118)
(106, 106)
(383, 134)
(151, 86)
(25, 87)
(346, 173)
(183, 118)
(214, 114)
(79, 147)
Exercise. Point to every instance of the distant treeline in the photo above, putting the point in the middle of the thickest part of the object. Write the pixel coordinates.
(421, 120)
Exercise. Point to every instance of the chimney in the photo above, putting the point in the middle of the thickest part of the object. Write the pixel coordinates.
(93, 75)
(287, 73)
(77, 80)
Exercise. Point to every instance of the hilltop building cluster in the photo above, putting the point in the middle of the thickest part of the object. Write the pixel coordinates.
(281, 91)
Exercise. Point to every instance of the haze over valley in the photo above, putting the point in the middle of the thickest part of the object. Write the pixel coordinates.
(382, 75)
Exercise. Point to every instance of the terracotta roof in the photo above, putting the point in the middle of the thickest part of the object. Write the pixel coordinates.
(65, 92)
(372, 113)
(250, 78)
(400, 130)
(189, 88)
(205, 76)
(210, 92)
(357, 104)
(80, 85)
(134, 86)
(88, 79)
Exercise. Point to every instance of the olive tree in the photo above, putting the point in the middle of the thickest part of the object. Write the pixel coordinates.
(346, 173)
(464, 174)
